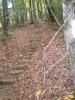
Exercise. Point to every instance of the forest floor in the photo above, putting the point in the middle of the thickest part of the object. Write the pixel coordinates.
(21, 64)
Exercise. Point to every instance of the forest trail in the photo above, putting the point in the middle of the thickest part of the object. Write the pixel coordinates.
(21, 62)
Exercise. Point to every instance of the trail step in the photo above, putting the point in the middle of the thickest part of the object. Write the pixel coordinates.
(36, 39)
(14, 72)
(19, 67)
(7, 82)
(27, 56)
(33, 49)
(36, 42)
(23, 61)
(34, 46)
(29, 53)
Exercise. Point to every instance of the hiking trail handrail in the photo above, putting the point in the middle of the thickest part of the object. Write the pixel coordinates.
(44, 51)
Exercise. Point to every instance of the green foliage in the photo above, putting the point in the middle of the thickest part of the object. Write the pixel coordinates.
(58, 9)
(54, 25)
(20, 12)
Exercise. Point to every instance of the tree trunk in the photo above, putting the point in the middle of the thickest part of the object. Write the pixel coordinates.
(69, 33)
(34, 14)
(51, 17)
(30, 10)
(5, 26)
(26, 12)
(39, 9)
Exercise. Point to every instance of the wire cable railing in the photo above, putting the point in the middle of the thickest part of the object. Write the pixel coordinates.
(48, 45)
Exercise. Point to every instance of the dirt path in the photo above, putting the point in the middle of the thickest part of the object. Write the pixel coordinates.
(23, 52)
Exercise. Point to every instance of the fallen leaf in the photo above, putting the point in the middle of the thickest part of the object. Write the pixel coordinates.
(55, 76)
(60, 88)
(56, 87)
(43, 92)
(6, 88)
(71, 92)
(59, 98)
(71, 96)
(66, 98)
(38, 93)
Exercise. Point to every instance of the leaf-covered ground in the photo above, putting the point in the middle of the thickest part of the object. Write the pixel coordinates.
(21, 62)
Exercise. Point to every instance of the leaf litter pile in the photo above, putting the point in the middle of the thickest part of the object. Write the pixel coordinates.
(21, 63)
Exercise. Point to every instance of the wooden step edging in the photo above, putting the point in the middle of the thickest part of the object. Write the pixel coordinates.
(19, 67)
(14, 72)
(23, 61)
(7, 82)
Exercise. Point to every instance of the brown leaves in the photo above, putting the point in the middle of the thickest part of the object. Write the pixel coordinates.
(70, 96)
(40, 93)
(58, 87)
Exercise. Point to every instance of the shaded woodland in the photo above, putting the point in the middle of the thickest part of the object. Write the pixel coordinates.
(16, 13)
(32, 61)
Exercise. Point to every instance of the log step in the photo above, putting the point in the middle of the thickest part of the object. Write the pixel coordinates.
(23, 61)
(14, 72)
(33, 49)
(7, 82)
(29, 53)
(20, 67)
(34, 46)
(36, 39)
(27, 56)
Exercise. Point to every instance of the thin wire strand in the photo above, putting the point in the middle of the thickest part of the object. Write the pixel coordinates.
(52, 66)
(54, 36)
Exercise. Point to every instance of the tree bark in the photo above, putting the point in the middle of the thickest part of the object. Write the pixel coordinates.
(34, 14)
(40, 9)
(31, 15)
(4, 24)
(69, 33)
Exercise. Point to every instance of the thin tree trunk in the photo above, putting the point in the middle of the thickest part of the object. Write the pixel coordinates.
(38, 10)
(26, 12)
(5, 26)
(41, 7)
(34, 14)
(30, 10)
